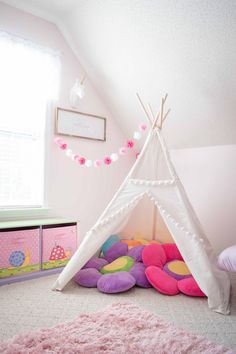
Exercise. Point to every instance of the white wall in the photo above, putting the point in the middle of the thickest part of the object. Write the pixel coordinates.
(185, 47)
(72, 191)
(209, 177)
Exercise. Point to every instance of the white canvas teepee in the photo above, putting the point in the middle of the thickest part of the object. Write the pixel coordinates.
(153, 177)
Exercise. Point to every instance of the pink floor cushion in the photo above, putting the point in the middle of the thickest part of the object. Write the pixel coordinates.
(227, 259)
(136, 253)
(119, 249)
(161, 281)
(190, 287)
(138, 272)
(177, 269)
(88, 277)
(172, 252)
(154, 255)
(115, 283)
(124, 263)
(96, 263)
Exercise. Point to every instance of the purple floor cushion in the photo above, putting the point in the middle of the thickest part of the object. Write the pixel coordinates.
(96, 263)
(87, 277)
(136, 253)
(227, 259)
(177, 269)
(115, 283)
(138, 272)
(119, 249)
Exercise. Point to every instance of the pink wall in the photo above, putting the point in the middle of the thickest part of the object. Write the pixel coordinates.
(72, 191)
(209, 177)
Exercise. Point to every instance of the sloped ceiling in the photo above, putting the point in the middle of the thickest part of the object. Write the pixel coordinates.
(184, 47)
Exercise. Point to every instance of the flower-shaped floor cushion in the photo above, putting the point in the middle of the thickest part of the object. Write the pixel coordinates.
(137, 262)
(120, 274)
(171, 277)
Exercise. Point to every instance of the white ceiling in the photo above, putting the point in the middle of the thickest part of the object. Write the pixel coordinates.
(185, 47)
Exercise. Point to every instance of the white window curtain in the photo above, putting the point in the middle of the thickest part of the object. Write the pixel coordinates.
(29, 81)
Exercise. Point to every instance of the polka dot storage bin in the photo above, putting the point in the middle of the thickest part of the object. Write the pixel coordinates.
(59, 243)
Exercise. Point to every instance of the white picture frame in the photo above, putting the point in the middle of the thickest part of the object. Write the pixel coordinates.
(81, 125)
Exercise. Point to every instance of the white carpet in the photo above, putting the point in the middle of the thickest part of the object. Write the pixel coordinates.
(31, 305)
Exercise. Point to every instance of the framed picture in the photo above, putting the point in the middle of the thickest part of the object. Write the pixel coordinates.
(81, 125)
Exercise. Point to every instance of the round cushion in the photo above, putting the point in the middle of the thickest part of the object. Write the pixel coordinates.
(109, 242)
(88, 277)
(190, 287)
(161, 281)
(143, 241)
(172, 252)
(138, 272)
(153, 241)
(120, 264)
(154, 255)
(177, 269)
(136, 253)
(131, 243)
(96, 263)
(115, 283)
(117, 250)
(227, 259)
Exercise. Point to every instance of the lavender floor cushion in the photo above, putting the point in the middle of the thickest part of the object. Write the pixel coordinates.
(109, 242)
(96, 263)
(227, 259)
(138, 272)
(177, 269)
(117, 250)
(88, 277)
(136, 253)
(115, 283)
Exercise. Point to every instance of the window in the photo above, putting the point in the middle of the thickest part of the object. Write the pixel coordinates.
(29, 81)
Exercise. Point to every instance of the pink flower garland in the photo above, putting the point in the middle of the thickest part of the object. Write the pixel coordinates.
(107, 160)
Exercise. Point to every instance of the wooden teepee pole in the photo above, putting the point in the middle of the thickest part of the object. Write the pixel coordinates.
(162, 116)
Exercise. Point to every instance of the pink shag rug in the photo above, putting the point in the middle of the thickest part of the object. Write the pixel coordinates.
(121, 328)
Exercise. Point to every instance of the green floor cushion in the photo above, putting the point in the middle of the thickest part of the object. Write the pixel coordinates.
(120, 264)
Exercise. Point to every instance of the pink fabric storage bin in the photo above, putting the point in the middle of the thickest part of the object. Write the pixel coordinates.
(59, 243)
(19, 252)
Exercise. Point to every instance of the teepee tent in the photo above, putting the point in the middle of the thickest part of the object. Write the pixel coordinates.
(153, 187)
